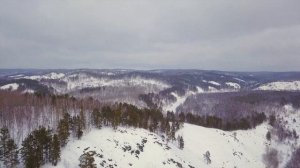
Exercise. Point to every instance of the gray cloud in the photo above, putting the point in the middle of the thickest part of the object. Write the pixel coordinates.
(148, 34)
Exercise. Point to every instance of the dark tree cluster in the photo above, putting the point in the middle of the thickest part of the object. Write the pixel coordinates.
(63, 129)
(217, 122)
(238, 105)
(87, 160)
(40, 147)
(124, 114)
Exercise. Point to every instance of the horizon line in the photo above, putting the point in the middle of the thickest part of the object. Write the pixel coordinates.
(159, 69)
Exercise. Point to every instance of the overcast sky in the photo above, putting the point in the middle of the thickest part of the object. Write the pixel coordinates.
(239, 35)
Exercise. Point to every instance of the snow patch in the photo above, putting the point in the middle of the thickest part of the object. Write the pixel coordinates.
(214, 83)
(16, 76)
(212, 89)
(233, 85)
(280, 86)
(28, 91)
(240, 80)
(12, 87)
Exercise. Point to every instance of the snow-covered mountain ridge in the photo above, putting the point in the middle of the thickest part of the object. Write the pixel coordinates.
(166, 88)
(79, 79)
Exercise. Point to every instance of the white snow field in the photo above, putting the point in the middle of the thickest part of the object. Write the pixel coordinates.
(139, 148)
(292, 86)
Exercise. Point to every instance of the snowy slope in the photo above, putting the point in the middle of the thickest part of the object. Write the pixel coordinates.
(139, 148)
(227, 149)
(283, 85)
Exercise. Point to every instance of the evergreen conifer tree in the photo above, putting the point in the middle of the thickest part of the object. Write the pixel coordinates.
(36, 148)
(82, 122)
(8, 149)
(63, 129)
(28, 152)
(96, 118)
(173, 131)
(55, 150)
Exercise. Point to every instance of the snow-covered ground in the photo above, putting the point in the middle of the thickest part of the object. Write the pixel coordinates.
(129, 147)
(12, 87)
(283, 85)
(227, 149)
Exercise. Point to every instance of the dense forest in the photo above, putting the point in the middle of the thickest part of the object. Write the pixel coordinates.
(236, 105)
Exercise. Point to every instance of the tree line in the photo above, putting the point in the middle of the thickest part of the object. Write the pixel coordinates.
(243, 123)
